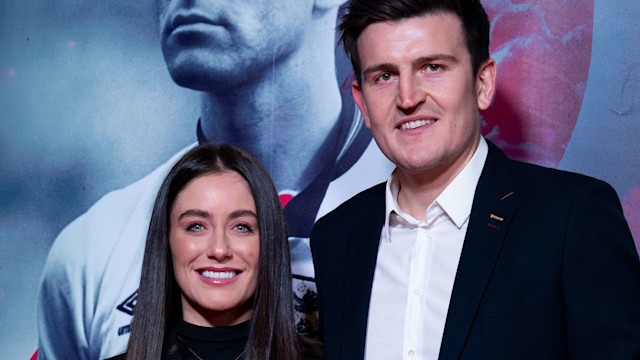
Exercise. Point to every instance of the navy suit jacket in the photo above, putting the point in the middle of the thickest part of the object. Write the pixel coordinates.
(548, 270)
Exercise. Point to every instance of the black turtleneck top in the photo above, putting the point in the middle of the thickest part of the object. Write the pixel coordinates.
(203, 343)
(192, 342)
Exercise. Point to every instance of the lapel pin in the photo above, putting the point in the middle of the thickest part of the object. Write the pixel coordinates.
(506, 196)
(495, 217)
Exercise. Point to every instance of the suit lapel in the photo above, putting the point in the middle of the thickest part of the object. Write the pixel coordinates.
(493, 206)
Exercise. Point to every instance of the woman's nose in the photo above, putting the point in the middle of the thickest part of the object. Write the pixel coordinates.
(218, 246)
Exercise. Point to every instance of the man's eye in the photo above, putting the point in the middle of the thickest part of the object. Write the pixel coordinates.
(434, 67)
(385, 77)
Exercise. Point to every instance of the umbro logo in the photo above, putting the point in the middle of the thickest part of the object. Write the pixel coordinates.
(129, 304)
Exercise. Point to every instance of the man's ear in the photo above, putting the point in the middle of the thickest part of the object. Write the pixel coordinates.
(486, 84)
(358, 98)
(324, 5)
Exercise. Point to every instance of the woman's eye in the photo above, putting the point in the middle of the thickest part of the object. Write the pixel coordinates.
(195, 227)
(244, 228)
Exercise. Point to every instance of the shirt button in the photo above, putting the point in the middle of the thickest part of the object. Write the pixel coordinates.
(416, 291)
(411, 354)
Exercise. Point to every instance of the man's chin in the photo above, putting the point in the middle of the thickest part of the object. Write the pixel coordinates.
(191, 81)
(201, 77)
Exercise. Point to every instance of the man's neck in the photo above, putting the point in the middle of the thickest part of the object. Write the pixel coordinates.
(418, 190)
(285, 119)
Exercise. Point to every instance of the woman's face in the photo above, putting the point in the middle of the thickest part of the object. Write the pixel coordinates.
(215, 246)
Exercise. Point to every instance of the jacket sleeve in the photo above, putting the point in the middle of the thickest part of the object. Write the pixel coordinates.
(601, 277)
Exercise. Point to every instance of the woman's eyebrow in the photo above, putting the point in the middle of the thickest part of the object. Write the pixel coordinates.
(194, 212)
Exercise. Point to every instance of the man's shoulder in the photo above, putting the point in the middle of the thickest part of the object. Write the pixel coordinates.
(536, 177)
(533, 178)
(360, 202)
(98, 229)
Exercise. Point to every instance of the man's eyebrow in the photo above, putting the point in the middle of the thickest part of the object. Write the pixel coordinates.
(436, 58)
(419, 61)
(379, 67)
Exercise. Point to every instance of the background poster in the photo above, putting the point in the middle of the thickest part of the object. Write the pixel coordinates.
(87, 106)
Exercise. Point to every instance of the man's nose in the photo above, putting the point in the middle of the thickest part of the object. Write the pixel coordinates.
(410, 93)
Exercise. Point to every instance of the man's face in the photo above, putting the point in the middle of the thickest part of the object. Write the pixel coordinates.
(212, 44)
(418, 94)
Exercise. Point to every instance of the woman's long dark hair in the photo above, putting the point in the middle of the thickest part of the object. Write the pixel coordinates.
(272, 332)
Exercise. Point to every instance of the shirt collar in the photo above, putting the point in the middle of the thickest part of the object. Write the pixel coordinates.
(456, 199)
(391, 202)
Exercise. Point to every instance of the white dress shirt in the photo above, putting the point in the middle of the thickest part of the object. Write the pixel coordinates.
(416, 268)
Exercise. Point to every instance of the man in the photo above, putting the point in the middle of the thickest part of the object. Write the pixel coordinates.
(463, 253)
(249, 59)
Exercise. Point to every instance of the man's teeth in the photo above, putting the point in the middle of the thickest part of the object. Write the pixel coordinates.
(414, 124)
(218, 274)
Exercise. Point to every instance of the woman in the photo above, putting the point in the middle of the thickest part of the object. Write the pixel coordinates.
(216, 276)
